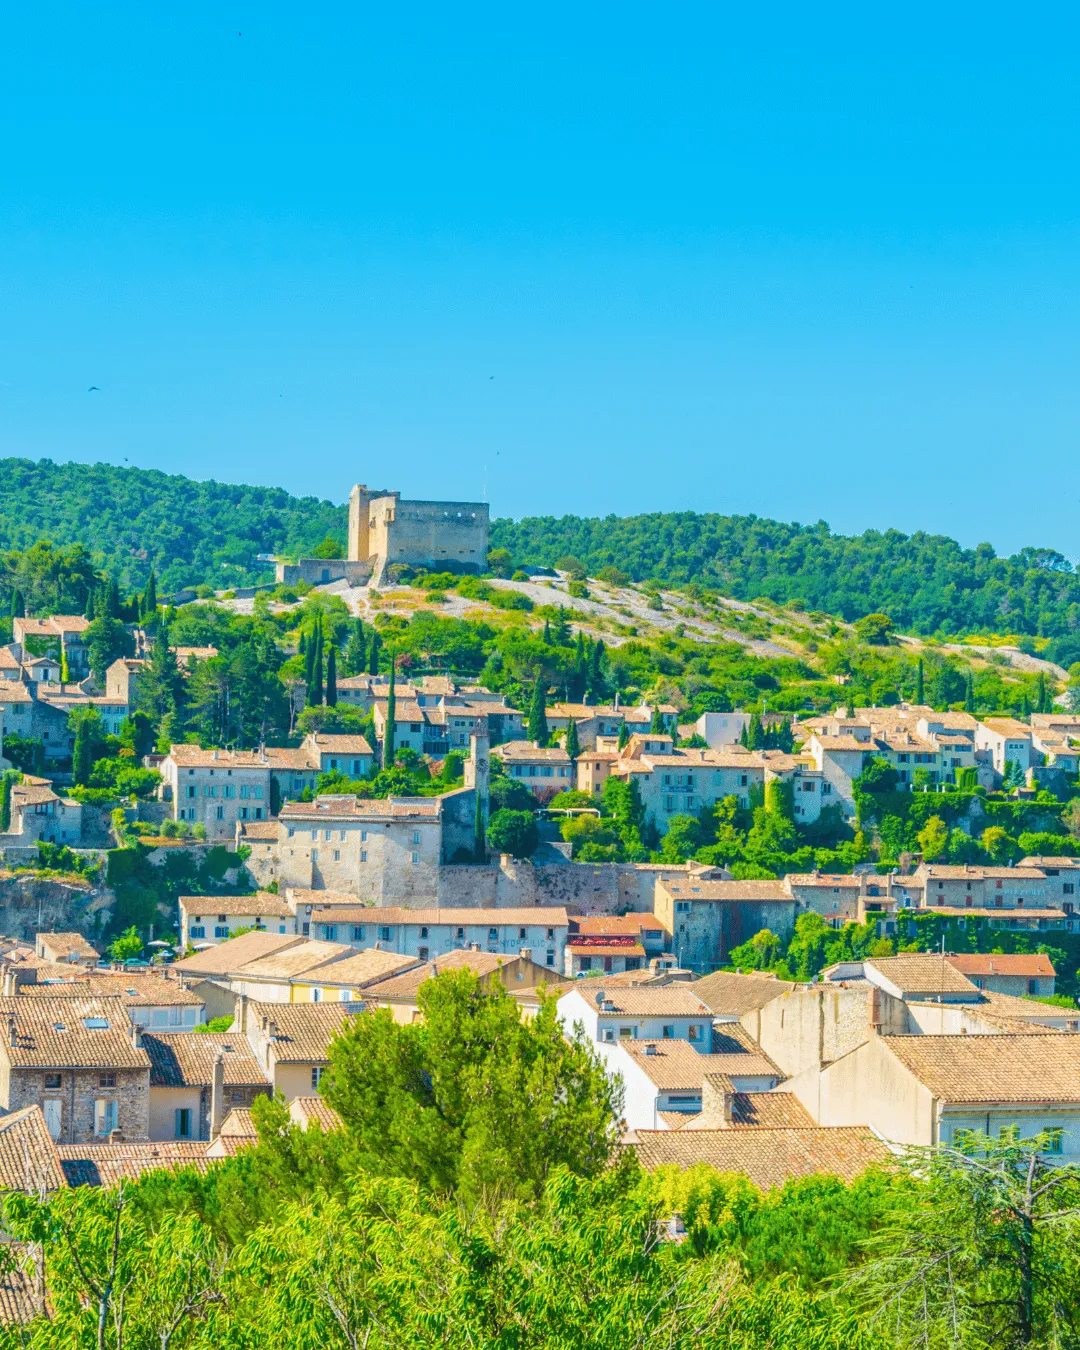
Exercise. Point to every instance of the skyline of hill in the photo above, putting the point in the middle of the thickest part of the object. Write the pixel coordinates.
(210, 532)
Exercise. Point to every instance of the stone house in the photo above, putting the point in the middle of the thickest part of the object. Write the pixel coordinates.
(545, 770)
(1005, 740)
(261, 838)
(39, 815)
(183, 1102)
(214, 918)
(613, 943)
(1020, 974)
(706, 919)
(382, 849)
(59, 633)
(926, 1090)
(65, 947)
(663, 1080)
(291, 1042)
(155, 1001)
(271, 978)
(426, 934)
(611, 1014)
(80, 1060)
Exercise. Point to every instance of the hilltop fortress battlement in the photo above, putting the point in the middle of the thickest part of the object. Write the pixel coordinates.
(384, 529)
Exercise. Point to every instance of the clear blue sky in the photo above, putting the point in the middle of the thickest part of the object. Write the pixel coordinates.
(805, 261)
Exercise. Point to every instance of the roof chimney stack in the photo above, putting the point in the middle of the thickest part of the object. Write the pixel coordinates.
(217, 1094)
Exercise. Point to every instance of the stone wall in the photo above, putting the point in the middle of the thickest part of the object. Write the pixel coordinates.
(79, 1090)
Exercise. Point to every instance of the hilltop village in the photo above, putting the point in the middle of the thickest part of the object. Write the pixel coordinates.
(802, 895)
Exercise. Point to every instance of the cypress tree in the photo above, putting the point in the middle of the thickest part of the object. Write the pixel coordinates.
(7, 782)
(754, 734)
(1025, 706)
(150, 597)
(89, 611)
(355, 653)
(1042, 699)
(969, 694)
(373, 654)
(784, 739)
(656, 726)
(315, 689)
(18, 609)
(82, 758)
(537, 724)
(112, 599)
(573, 744)
(595, 680)
(560, 634)
(624, 735)
(547, 633)
(920, 691)
(391, 713)
(331, 677)
(479, 842)
(580, 670)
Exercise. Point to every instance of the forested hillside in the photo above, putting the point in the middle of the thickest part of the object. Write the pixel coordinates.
(210, 532)
(131, 518)
(924, 582)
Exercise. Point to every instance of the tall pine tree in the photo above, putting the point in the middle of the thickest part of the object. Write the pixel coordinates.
(969, 694)
(547, 633)
(537, 724)
(920, 689)
(331, 677)
(594, 686)
(149, 604)
(373, 653)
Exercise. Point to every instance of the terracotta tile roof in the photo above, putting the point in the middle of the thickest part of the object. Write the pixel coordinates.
(1041, 863)
(234, 953)
(1007, 726)
(735, 1052)
(294, 962)
(33, 796)
(767, 1156)
(696, 889)
(28, 1157)
(239, 1124)
(669, 1000)
(361, 969)
(258, 829)
(341, 745)
(186, 1059)
(263, 905)
(406, 984)
(19, 1302)
(1032, 965)
(58, 946)
(304, 1030)
(273, 757)
(308, 1111)
(54, 625)
(629, 925)
(108, 1164)
(525, 752)
(329, 807)
(922, 973)
(534, 916)
(13, 692)
(770, 1110)
(993, 1068)
(675, 1066)
(943, 872)
(134, 991)
(725, 992)
(53, 1033)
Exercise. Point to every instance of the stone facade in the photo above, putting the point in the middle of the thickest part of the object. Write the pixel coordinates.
(74, 1103)
(418, 533)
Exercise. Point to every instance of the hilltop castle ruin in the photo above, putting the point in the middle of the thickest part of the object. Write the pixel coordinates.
(384, 529)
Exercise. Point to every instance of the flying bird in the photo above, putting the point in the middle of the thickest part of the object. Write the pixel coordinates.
(94, 389)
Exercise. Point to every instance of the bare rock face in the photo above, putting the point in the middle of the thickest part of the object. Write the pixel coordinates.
(32, 904)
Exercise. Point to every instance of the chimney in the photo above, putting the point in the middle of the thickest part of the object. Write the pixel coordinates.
(874, 1009)
(272, 1031)
(217, 1094)
(717, 1102)
(240, 1014)
(13, 1038)
(136, 1035)
(215, 754)
(650, 1049)
(525, 953)
(115, 1137)
(9, 982)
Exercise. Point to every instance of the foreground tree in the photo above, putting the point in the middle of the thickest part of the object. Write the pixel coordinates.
(472, 1099)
